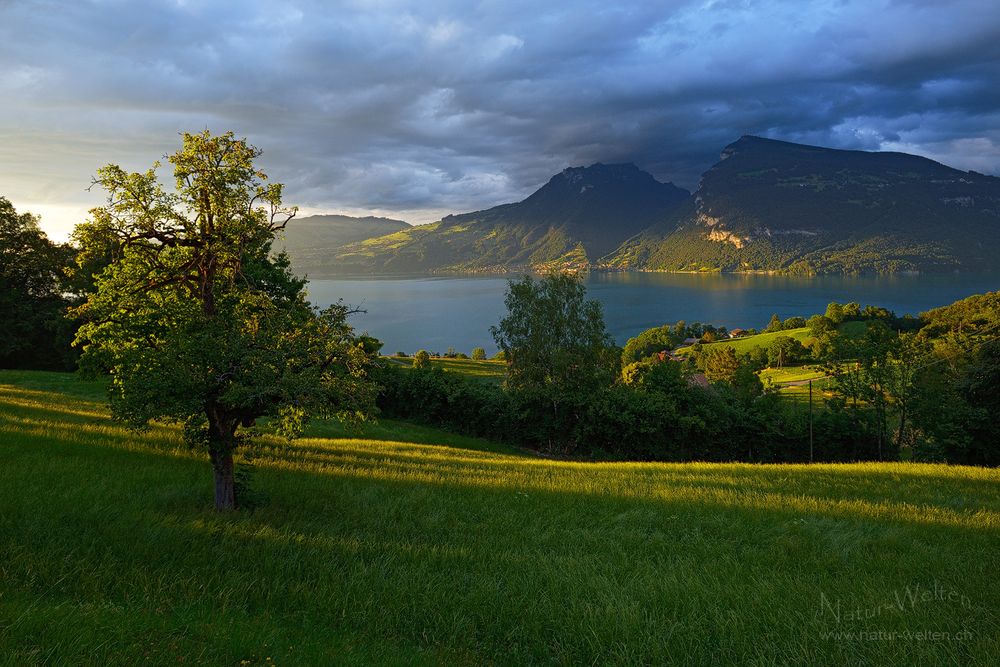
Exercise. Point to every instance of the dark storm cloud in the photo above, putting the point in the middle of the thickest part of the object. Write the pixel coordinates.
(423, 108)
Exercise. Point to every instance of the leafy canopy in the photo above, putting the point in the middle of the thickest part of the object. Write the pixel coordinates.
(553, 335)
(193, 318)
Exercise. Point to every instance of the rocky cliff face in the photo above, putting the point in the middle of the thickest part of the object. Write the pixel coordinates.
(771, 205)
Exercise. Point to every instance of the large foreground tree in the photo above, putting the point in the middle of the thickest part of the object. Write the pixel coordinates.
(194, 319)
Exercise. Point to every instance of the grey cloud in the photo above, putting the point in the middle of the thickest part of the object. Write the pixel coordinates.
(451, 106)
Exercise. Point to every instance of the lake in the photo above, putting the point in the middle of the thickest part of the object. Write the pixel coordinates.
(435, 313)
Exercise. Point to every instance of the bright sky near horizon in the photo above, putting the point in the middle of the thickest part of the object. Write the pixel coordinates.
(415, 110)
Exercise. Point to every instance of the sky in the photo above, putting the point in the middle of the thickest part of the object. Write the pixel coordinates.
(414, 110)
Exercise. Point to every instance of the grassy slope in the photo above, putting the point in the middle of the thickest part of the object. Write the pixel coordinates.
(747, 343)
(486, 369)
(791, 374)
(389, 551)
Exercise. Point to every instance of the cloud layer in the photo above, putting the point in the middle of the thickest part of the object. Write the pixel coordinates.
(418, 109)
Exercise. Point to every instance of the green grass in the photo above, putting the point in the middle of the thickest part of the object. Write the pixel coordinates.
(791, 374)
(747, 343)
(385, 549)
(788, 379)
(822, 390)
(486, 369)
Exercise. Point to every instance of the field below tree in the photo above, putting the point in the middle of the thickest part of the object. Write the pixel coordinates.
(406, 544)
(476, 369)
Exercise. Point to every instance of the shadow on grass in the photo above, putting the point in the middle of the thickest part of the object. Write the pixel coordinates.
(465, 551)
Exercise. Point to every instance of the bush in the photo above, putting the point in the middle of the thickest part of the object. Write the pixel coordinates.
(421, 359)
(478, 353)
(652, 414)
(648, 343)
(439, 398)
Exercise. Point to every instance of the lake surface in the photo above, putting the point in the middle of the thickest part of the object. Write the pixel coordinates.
(435, 313)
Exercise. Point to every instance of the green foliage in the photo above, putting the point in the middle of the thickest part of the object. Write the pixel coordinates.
(774, 325)
(756, 357)
(478, 354)
(197, 323)
(421, 359)
(785, 350)
(969, 316)
(955, 406)
(820, 325)
(553, 336)
(650, 342)
(34, 332)
(721, 365)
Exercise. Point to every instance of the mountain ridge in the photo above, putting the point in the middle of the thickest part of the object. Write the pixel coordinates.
(579, 215)
(766, 206)
(776, 206)
(309, 239)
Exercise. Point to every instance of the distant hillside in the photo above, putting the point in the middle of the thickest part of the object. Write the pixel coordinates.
(312, 241)
(777, 206)
(579, 216)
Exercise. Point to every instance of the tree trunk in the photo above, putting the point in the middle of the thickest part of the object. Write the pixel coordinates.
(221, 433)
(902, 426)
(225, 489)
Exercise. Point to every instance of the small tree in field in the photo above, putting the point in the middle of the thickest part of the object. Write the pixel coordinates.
(554, 336)
(197, 323)
(421, 359)
(721, 364)
(478, 353)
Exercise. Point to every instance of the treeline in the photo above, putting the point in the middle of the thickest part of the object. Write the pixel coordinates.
(921, 385)
(653, 415)
(36, 287)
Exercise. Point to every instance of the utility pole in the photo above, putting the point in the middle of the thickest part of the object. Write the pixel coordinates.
(810, 421)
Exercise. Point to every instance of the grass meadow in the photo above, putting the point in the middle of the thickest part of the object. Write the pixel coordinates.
(747, 343)
(411, 546)
(477, 369)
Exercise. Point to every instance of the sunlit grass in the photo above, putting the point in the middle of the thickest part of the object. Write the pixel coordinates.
(405, 544)
(485, 369)
(747, 343)
(791, 374)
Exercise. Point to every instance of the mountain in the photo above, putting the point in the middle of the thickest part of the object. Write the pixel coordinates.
(313, 240)
(777, 206)
(578, 217)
